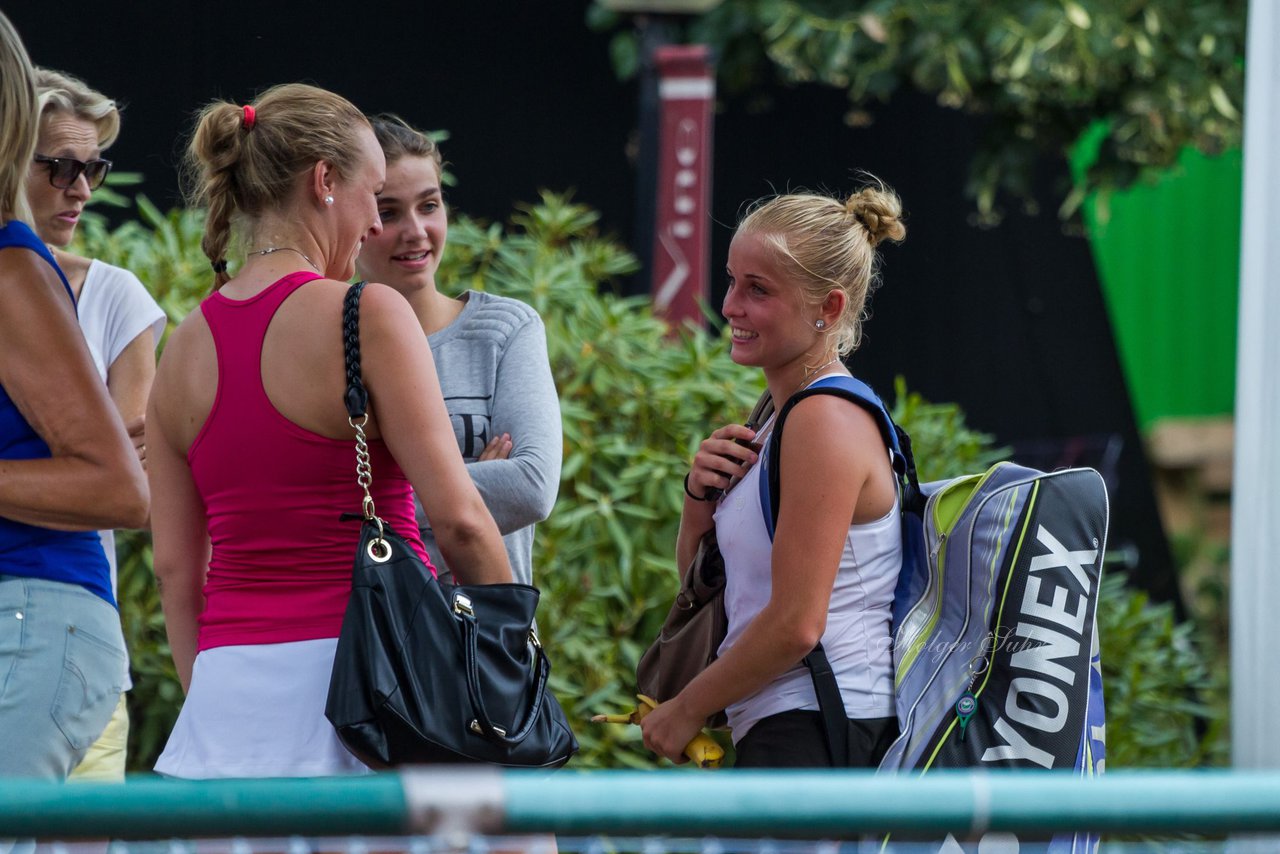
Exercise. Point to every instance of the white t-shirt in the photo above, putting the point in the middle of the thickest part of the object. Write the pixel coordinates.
(114, 308)
(856, 640)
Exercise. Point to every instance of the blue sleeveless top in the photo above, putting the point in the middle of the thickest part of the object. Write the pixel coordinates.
(75, 557)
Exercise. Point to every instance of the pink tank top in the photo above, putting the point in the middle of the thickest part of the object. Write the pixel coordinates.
(281, 564)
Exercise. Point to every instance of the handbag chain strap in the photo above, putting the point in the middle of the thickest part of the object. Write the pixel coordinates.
(357, 403)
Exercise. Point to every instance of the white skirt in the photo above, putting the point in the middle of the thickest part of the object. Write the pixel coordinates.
(258, 711)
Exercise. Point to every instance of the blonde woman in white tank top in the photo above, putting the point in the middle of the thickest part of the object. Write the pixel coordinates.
(800, 267)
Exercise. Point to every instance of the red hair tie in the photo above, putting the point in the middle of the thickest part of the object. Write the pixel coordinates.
(250, 116)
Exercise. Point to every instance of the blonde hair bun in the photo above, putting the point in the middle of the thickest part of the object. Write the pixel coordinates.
(879, 210)
(820, 250)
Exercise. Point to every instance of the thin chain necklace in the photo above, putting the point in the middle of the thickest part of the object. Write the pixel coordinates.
(271, 249)
(807, 374)
(813, 371)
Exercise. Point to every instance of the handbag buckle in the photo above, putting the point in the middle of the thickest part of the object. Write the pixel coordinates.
(533, 638)
(462, 605)
(684, 601)
(478, 730)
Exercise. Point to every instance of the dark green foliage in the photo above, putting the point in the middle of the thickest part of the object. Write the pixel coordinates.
(636, 400)
(942, 444)
(1160, 693)
(156, 695)
(163, 250)
(1158, 75)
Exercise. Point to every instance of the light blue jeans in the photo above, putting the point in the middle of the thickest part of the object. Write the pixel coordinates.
(61, 674)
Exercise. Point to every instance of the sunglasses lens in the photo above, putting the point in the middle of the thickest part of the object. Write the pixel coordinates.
(95, 172)
(63, 172)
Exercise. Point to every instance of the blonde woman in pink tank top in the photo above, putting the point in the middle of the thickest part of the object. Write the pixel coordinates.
(251, 457)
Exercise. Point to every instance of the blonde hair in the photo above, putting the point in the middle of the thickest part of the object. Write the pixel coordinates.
(239, 169)
(824, 244)
(18, 124)
(58, 91)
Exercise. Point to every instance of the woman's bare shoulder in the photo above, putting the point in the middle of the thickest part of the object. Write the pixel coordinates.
(384, 309)
(834, 426)
(30, 289)
(190, 331)
(382, 298)
(20, 264)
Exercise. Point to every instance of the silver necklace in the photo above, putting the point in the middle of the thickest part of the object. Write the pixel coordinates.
(271, 249)
(767, 427)
(812, 371)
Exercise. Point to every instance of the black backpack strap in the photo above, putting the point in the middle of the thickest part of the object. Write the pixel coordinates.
(830, 703)
(831, 706)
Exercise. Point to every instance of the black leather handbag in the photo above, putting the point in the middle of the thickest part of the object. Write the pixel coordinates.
(427, 672)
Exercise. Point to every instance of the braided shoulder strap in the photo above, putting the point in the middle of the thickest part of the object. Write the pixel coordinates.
(357, 399)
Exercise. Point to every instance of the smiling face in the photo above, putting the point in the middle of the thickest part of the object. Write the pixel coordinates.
(764, 308)
(56, 213)
(415, 227)
(356, 207)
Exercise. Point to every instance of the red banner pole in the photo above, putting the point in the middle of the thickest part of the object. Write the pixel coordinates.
(681, 248)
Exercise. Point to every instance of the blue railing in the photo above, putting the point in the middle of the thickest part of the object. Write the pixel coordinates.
(779, 804)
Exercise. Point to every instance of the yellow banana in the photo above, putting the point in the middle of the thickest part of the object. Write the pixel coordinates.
(702, 751)
(614, 719)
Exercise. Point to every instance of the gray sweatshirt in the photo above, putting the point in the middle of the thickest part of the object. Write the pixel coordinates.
(496, 378)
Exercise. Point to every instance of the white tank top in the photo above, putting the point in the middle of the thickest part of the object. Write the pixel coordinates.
(856, 640)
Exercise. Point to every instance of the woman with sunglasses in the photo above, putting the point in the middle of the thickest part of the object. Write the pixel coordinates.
(121, 323)
(67, 469)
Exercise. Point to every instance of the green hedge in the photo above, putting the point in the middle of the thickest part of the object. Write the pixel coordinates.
(636, 399)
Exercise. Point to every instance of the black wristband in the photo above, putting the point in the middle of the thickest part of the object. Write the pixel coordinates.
(691, 495)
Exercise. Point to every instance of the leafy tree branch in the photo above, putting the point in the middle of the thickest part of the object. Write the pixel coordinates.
(1143, 79)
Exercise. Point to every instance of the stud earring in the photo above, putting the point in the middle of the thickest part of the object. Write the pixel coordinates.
(820, 324)
(328, 200)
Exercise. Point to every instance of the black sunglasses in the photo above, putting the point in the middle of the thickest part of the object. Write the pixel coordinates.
(63, 171)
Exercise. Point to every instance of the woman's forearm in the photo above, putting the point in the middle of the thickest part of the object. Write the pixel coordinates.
(473, 549)
(182, 600)
(71, 493)
(775, 642)
(91, 478)
(695, 520)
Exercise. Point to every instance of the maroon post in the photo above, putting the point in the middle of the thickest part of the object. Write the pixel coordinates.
(681, 247)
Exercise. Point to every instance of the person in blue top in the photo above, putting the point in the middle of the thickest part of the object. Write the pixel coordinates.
(67, 469)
